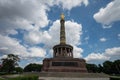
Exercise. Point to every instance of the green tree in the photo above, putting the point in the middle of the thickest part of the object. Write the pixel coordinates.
(33, 67)
(92, 68)
(116, 67)
(107, 67)
(18, 69)
(9, 63)
(100, 68)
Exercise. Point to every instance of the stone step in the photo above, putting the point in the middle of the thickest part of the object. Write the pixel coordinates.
(73, 74)
(57, 78)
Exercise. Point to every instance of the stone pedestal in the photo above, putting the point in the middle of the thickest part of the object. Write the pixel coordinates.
(63, 60)
(64, 65)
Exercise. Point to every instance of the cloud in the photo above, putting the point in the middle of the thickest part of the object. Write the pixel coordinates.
(20, 14)
(72, 29)
(4, 56)
(87, 38)
(36, 52)
(108, 54)
(11, 45)
(69, 4)
(48, 38)
(103, 39)
(51, 37)
(113, 52)
(77, 52)
(118, 36)
(109, 14)
(30, 17)
(36, 36)
(96, 58)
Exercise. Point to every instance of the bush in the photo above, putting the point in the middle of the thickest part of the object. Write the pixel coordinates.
(3, 73)
(25, 78)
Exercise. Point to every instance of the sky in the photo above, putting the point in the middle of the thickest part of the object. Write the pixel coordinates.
(30, 29)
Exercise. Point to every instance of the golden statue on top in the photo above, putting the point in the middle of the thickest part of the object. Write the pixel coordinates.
(62, 16)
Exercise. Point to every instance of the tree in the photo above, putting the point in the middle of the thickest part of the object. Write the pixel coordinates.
(100, 68)
(116, 67)
(107, 67)
(111, 67)
(33, 67)
(92, 68)
(18, 69)
(9, 63)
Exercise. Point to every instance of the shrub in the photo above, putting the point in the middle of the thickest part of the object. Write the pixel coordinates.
(25, 78)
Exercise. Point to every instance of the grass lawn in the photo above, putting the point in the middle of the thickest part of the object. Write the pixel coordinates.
(115, 78)
(24, 77)
(2, 79)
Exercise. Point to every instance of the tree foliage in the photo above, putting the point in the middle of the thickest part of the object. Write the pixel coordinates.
(107, 67)
(18, 69)
(9, 63)
(92, 68)
(112, 67)
(100, 68)
(116, 67)
(33, 67)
